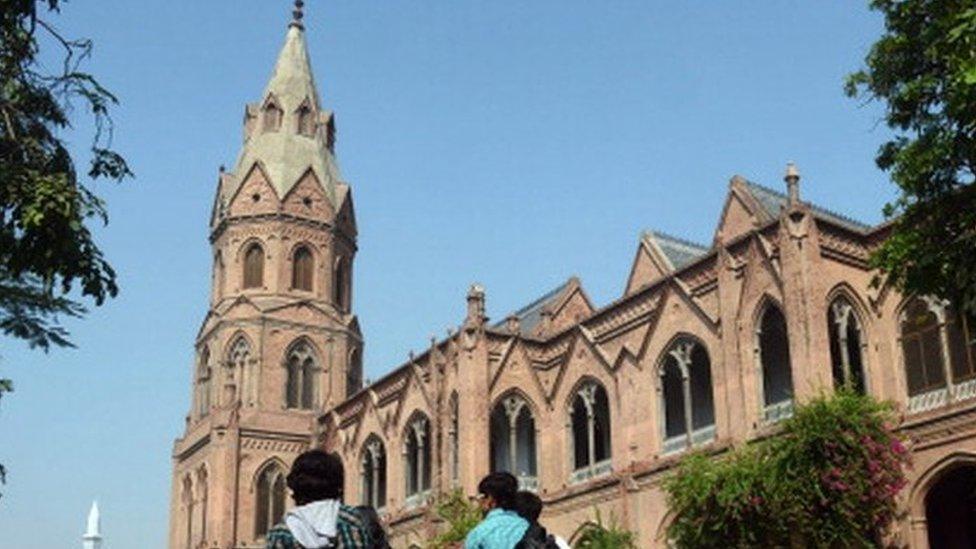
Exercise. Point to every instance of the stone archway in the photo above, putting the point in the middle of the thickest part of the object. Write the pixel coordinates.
(950, 508)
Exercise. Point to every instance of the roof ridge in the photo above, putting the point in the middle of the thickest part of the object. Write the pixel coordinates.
(677, 239)
(813, 205)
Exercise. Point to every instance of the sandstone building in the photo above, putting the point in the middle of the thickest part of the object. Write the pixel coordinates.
(709, 346)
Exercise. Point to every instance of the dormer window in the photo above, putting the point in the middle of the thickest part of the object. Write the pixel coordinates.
(306, 121)
(272, 117)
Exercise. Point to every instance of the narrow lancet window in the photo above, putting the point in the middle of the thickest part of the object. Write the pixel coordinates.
(512, 441)
(254, 266)
(846, 346)
(303, 268)
(373, 465)
(302, 373)
(590, 430)
(270, 502)
(773, 348)
(417, 457)
(686, 386)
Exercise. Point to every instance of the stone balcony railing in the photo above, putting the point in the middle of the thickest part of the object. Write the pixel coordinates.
(598, 469)
(938, 398)
(698, 437)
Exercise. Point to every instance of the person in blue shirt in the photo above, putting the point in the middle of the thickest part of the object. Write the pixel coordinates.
(502, 527)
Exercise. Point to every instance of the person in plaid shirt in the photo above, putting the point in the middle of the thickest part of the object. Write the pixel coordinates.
(319, 520)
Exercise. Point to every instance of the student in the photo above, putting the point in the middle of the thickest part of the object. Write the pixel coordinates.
(502, 527)
(320, 519)
(529, 507)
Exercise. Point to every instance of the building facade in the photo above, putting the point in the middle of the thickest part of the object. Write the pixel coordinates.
(709, 346)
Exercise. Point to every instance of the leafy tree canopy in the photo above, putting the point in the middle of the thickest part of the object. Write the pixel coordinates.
(924, 69)
(46, 247)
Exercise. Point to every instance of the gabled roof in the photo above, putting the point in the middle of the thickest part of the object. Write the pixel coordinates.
(530, 316)
(678, 251)
(774, 201)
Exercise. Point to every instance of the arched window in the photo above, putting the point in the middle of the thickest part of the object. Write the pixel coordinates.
(773, 349)
(254, 266)
(306, 121)
(846, 345)
(203, 383)
(417, 462)
(270, 503)
(962, 347)
(204, 498)
(590, 429)
(921, 342)
(513, 440)
(303, 268)
(272, 117)
(300, 387)
(354, 372)
(339, 285)
(219, 276)
(686, 386)
(241, 371)
(374, 473)
(188, 508)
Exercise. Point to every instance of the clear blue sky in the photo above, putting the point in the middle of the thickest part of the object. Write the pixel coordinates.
(510, 143)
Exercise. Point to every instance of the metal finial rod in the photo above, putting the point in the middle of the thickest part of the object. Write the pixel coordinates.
(298, 14)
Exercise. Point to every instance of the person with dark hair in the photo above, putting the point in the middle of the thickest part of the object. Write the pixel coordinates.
(502, 527)
(374, 526)
(529, 507)
(319, 520)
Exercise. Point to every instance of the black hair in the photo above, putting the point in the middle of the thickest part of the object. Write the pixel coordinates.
(528, 506)
(375, 527)
(502, 488)
(315, 475)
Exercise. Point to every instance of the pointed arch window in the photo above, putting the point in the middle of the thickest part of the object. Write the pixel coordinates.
(306, 120)
(254, 266)
(687, 401)
(303, 269)
(513, 441)
(939, 352)
(203, 383)
(270, 499)
(241, 375)
(188, 509)
(590, 431)
(339, 285)
(773, 353)
(272, 117)
(846, 345)
(374, 473)
(417, 460)
(300, 387)
(204, 499)
(354, 372)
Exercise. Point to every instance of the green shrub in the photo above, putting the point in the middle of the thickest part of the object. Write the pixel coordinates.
(829, 479)
(461, 517)
(605, 536)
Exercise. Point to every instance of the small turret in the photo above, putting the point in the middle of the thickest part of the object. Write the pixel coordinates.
(792, 178)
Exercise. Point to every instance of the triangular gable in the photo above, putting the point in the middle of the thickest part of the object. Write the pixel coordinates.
(425, 403)
(346, 217)
(256, 183)
(741, 212)
(758, 277)
(308, 198)
(644, 269)
(515, 376)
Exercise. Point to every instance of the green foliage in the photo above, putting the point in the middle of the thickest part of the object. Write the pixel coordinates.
(46, 248)
(924, 68)
(461, 517)
(829, 479)
(598, 535)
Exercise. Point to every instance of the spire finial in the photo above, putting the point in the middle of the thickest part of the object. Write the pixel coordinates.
(297, 15)
(792, 179)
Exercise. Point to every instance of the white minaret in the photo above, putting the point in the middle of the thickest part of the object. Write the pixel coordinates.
(93, 535)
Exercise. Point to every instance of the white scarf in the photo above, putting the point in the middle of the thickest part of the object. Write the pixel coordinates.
(314, 525)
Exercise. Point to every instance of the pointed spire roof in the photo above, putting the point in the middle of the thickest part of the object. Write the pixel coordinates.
(94, 528)
(284, 153)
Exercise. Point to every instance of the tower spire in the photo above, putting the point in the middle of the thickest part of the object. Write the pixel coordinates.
(93, 536)
(297, 15)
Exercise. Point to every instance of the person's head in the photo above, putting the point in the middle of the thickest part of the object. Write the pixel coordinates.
(498, 490)
(528, 506)
(315, 475)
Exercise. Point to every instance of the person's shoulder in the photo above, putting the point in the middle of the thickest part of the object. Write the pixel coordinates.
(280, 537)
(351, 515)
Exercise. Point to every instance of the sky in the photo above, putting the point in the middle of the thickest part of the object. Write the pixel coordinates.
(513, 144)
